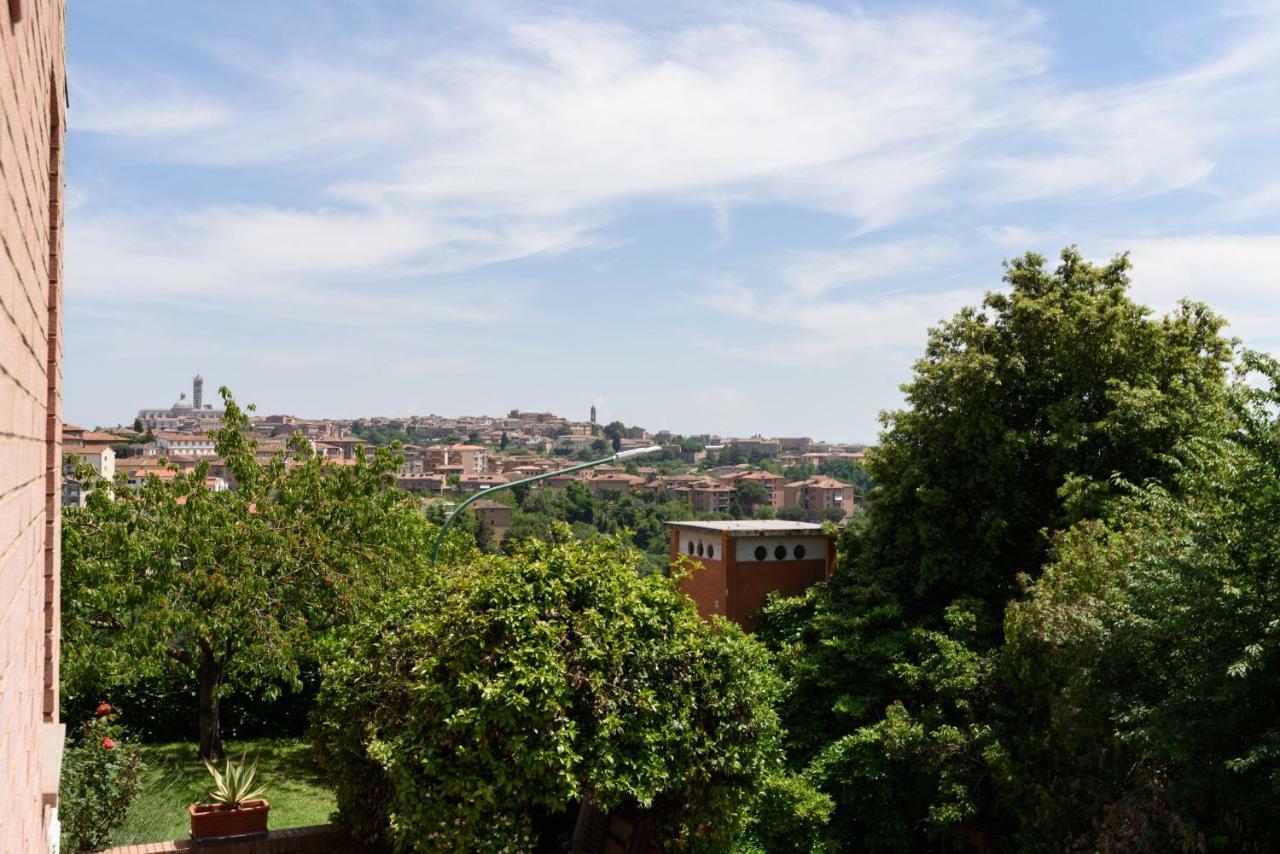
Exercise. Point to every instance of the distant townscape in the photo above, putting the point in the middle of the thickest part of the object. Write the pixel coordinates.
(704, 476)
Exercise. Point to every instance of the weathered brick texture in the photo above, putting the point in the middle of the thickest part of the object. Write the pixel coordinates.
(32, 119)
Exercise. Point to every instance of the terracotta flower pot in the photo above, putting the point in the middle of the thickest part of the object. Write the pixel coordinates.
(213, 821)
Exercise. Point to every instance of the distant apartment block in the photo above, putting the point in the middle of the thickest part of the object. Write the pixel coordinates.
(706, 496)
(794, 444)
(757, 445)
(477, 482)
(613, 484)
(33, 108)
(773, 485)
(430, 484)
(494, 517)
(186, 445)
(472, 458)
(819, 494)
(103, 461)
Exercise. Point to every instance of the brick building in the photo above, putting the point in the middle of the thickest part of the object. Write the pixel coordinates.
(494, 517)
(613, 484)
(32, 121)
(819, 494)
(705, 495)
(743, 561)
(773, 484)
(102, 459)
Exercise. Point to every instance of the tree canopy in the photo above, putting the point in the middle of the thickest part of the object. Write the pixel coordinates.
(511, 687)
(1022, 418)
(1144, 660)
(231, 585)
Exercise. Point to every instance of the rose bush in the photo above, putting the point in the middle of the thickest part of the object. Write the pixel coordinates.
(101, 778)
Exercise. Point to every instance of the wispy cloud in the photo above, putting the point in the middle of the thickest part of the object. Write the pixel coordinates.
(855, 173)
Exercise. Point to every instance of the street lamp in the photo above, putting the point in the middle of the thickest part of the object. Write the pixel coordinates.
(618, 457)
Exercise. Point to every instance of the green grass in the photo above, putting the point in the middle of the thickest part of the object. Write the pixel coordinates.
(175, 777)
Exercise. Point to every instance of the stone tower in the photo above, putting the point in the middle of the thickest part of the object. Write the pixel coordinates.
(197, 392)
(593, 413)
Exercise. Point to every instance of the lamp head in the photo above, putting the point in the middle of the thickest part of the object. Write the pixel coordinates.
(637, 452)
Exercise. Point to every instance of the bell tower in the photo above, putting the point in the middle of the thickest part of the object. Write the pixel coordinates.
(197, 392)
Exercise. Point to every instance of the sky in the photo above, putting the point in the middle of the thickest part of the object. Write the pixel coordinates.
(734, 218)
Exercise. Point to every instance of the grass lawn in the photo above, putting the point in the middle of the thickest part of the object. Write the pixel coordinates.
(175, 777)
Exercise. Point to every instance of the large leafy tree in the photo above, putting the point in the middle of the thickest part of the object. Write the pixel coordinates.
(1020, 417)
(467, 715)
(229, 586)
(1145, 659)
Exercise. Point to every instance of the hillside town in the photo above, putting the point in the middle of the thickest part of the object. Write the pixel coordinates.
(447, 457)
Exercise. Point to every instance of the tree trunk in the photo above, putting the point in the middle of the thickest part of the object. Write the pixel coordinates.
(208, 687)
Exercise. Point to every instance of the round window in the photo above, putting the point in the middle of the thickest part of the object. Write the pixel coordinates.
(699, 549)
(798, 551)
(761, 553)
(780, 552)
(711, 550)
(691, 547)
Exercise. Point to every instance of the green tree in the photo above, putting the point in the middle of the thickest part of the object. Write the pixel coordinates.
(508, 690)
(750, 495)
(503, 441)
(833, 514)
(800, 471)
(1145, 658)
(137, 425)
(615, 431)
(1020, 418)
(229, 586)
(846, 471)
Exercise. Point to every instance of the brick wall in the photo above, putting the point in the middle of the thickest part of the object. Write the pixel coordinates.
(32, 117)
(750, 582)
(705, 586)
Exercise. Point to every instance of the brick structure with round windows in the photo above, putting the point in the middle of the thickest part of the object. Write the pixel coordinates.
(740, 562)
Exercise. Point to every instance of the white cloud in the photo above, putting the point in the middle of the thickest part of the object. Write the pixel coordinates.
(533, 134)
(1237, 276)
(812, 274)
(141, 113)
(333, 267)
(428, 158)
(856, 113)
(807, 324)
(1263, 201)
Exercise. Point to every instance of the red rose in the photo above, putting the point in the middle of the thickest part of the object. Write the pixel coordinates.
(108, 744)
(104, 709)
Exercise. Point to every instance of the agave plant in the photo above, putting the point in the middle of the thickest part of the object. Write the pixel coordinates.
(234, 786)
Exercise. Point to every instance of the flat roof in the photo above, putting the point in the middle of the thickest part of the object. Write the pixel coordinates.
(754, 527)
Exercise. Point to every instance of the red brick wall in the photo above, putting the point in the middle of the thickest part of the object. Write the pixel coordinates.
(32, 116)
(705, 586)
(750, 581)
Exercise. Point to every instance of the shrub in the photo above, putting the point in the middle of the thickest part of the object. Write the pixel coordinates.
(101, 776)
(789, 818)
(464, 715)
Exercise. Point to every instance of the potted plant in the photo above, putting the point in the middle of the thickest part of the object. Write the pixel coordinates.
(235, 807)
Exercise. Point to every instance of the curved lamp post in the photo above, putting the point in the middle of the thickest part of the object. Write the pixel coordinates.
(621, 455)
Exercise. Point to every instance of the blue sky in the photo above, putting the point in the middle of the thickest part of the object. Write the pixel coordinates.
(735, 218)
